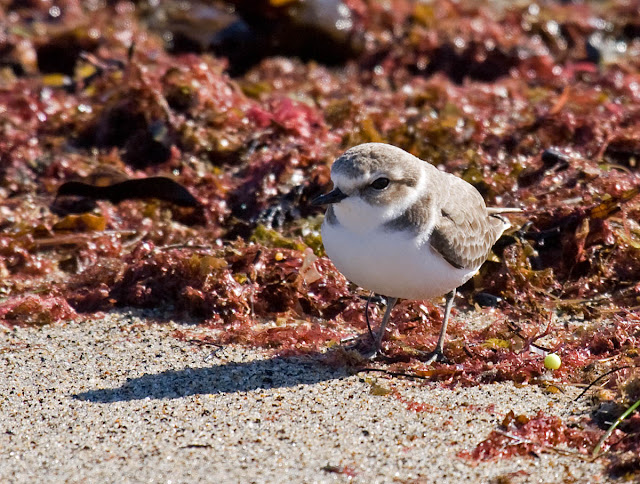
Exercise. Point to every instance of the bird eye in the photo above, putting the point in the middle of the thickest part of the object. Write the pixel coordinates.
(380, 183)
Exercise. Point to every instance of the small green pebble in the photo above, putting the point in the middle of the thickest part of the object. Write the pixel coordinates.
(552, 361)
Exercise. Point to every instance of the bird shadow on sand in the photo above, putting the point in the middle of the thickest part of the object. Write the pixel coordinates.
(228, 377)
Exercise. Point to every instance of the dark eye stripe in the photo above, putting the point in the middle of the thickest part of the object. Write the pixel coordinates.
(410, 181)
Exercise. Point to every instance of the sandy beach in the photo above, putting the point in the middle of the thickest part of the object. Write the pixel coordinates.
(120, 399)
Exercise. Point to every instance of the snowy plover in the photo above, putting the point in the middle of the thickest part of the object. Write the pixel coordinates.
(400, 227)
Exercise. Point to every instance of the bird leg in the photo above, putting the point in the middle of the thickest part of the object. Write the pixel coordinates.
(366, 315)
(438, 353)
(391, 301)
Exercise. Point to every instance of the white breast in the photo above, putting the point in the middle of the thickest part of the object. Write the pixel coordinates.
(391, 263)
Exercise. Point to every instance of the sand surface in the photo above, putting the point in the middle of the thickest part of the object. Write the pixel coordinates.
(119, 399)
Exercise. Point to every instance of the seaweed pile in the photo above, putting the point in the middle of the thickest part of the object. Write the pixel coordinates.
(241, 106)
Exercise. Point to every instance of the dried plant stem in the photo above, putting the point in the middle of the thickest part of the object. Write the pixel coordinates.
(629, 411)
(600, 378)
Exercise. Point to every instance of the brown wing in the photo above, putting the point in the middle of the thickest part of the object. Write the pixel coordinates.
(465, 231)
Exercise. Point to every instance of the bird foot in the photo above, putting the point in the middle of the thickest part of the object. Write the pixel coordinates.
(368, 352)
(373, 354)
(436, 356)
(379, 356)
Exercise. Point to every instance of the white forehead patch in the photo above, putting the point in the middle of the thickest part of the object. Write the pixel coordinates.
(346, 183)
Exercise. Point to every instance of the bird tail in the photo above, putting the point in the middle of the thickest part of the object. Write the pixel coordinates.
(497, 212)
(500, 210)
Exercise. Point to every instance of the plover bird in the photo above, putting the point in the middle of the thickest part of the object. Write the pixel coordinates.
(400, 227)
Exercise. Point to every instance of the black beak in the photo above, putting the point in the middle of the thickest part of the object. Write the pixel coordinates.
(334, 196)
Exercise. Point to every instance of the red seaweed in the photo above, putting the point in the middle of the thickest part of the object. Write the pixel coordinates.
(521, 435)
(535, 105)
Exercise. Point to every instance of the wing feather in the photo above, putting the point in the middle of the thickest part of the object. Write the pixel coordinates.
(465, 232)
